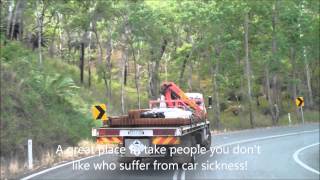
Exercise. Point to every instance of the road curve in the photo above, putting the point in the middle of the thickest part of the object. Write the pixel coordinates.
(273, 157)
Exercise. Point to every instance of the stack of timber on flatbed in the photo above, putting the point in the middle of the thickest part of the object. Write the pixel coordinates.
(134, 120)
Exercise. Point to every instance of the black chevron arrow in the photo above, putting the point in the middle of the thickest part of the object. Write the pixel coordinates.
(300, 101)
(101, 112)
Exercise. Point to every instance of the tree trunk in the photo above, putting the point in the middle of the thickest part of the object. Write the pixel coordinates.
(215, 88)
(99, 43)
(183, 67)
(124, 60)
(269, 96)
(21, 24)
(89, 73)
(186, 60)
(154, 70)
(125, 73)
(40, 23)
(52, 44)
(166, 67)
(60, 16)
(11, 7)
(308, 75)
(276, 97)
(198, 71)
(294, 73)
(39, 44)
(248, 69)
(14, 19)
(68, 33)
(81, 61)
(239, 97)
(108, 72)
(272, 96)
(276, 92)
(136, 72)
(90, 56)
(137, 81)
(154, 77)
(190, 76)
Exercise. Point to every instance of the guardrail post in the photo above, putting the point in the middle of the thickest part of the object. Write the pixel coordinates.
(289, 117)
(30, 159)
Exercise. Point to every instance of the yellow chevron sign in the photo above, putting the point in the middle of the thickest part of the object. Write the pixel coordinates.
(299, 101)
(100, 112)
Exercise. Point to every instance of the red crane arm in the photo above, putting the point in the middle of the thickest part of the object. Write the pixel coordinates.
(172, 92)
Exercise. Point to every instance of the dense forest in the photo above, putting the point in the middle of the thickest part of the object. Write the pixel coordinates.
(254, 57)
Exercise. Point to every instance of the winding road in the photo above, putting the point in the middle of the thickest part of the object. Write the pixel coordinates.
(277, 153)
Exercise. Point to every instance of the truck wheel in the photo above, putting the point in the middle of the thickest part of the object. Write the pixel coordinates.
(207, 143)
(198, 137)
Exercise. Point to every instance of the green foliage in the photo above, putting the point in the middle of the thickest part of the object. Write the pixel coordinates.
(38, 104)
(210, 32)
(57, 84)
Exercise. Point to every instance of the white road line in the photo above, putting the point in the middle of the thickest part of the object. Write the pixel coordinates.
(256, 139)
(266, 137)
(183, 175)
(56, 167)
(295, 156)
(175, 175)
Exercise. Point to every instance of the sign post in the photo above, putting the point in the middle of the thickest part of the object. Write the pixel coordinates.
(30, 159)
(300, 104)
(301, 109)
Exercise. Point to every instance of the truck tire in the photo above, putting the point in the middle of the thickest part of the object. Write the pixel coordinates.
(207, 143)
(187, 141)
(198, 137)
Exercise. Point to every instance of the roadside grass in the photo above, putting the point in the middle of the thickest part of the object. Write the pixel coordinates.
(15, 168)
(231, 122)
(309, 116)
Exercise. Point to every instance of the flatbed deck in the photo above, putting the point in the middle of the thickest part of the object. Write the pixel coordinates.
(150, 131)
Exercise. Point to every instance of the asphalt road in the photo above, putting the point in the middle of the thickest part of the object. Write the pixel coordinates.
(270, 153)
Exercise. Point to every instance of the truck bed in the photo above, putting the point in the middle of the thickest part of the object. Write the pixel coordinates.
(149, 122)
(125, 121)
(151, 130)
